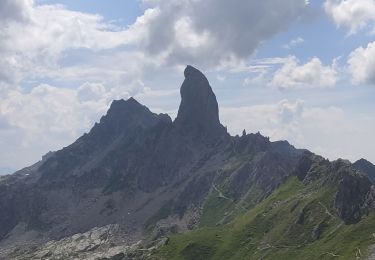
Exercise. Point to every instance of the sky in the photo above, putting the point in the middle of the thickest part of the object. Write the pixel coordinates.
(296, 70)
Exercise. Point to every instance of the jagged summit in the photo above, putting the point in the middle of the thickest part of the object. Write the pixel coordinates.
(122, 113)
(365, 167)
(130, 104)
(121, 110)
(364, 161)
(198, 112)
(124, 117)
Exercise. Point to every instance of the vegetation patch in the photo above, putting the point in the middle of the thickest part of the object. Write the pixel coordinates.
(196, 251)
(296, 222)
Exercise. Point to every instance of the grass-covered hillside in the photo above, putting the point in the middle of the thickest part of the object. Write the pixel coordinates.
(298, 221)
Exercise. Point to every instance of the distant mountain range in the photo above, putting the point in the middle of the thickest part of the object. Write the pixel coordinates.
(141, 186)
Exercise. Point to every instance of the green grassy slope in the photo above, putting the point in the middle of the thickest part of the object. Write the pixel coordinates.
(296, 222)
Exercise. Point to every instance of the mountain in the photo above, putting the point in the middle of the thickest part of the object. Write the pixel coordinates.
(141, 186)
(365, 167)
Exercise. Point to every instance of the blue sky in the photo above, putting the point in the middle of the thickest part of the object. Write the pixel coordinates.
(122, 13)
(295, 70)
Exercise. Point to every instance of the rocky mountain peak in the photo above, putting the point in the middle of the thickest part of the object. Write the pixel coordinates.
(364, 162)
(124, 117)
(190, 71)
(365, 167)
(123, 106)
(198, 112)
(123, 111)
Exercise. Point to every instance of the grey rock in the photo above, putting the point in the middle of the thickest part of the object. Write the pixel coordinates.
(351, 196)
(365, 167)
(199, 112)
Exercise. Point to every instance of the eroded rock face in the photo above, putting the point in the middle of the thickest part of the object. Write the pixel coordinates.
(351, 196)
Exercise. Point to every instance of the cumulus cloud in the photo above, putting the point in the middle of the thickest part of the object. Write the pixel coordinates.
(33, 37)
(90, 92)
(362, 64)
(15, 10)
(292, 74)
(323, 130)
(279, 121)
(213, 32)
(47, 118)
(353, 15)
(36, 38)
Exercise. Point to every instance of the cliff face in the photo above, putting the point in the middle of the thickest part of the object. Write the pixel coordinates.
(198, 114)
(141, 171)
(366, 168)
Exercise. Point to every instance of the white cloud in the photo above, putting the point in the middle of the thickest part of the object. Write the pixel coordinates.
(15, 10)
(186, 37)
(292, 74)
(47, 118)
(323, 130)
(91, 92)
(211, 33)
(293, 43)
(353, 15)
(278, 121)
(362, 64)
(33, 37)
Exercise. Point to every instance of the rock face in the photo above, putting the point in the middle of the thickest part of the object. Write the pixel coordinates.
(351, 197)
(199, 111)
(365, 167)
(140, 171)
(98, 243)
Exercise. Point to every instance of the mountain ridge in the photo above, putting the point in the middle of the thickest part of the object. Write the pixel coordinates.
(151, 176)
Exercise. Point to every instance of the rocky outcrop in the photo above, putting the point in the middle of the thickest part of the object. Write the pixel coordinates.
(198, 114)
(351, 196)
(97, 244)
(365, 167)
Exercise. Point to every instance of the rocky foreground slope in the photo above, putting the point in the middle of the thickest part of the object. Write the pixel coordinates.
(134, 185)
